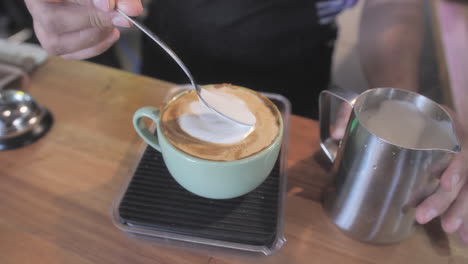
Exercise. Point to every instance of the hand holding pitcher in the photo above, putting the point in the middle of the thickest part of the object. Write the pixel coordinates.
(394, 147)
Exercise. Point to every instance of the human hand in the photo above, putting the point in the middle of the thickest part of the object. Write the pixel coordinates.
(342, 116)
(79, 29)
(450, 200)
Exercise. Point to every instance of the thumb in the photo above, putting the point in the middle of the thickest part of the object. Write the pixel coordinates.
(105, 5)
(129, 7)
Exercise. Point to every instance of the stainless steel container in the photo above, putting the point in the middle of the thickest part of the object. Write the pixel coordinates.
(22, 119)
(376, 184)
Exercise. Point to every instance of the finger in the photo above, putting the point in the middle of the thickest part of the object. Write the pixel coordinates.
(65, 18)
(104, 5)
(76, 41)
(454, 174)
(342, 118)
(130, 7)
(110, 4)
(40, 33)
(436, 204)
(463, 231)
(95, 50)
(119, 21)
(457, 213)
(30, 4)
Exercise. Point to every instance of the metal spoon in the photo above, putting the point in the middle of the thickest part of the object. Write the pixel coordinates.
(169, 51)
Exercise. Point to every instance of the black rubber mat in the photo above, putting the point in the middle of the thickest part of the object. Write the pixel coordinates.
(154, 200)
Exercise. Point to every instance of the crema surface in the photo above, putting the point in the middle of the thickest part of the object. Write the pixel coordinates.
(197, 131)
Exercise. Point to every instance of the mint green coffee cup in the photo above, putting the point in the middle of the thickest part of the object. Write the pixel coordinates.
(207, 178)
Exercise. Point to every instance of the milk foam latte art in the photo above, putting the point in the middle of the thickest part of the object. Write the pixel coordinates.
(198, 131)
(203, 123)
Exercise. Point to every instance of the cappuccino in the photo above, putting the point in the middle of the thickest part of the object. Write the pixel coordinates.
(195, 129)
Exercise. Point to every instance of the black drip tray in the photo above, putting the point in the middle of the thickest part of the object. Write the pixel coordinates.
(155, 201)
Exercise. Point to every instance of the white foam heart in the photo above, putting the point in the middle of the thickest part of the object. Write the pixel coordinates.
(205, 124)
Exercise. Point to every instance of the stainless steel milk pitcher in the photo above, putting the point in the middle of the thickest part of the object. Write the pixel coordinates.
(376, 184)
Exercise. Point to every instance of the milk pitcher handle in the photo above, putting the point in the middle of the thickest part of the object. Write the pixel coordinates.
(328, 145)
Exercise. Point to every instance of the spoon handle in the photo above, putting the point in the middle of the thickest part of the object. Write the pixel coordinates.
(171, 53)
(163, 45)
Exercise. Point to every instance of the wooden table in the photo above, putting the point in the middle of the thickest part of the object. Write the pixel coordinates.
(56, 195)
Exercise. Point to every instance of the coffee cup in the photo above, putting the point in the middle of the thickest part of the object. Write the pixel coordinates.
(217, 170)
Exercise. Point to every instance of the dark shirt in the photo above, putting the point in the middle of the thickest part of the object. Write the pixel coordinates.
(277, 46)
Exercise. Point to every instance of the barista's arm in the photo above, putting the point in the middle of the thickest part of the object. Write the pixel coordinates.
(390, 41)
(391, 36)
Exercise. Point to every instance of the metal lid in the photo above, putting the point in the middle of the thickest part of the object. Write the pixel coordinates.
(19, 113)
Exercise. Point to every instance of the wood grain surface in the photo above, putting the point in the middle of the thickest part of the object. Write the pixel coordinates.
(56, 195)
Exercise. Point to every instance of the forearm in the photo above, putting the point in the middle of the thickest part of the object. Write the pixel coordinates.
(452, 18)
(390, 41)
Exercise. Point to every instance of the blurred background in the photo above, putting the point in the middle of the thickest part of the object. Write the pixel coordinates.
(15, 22)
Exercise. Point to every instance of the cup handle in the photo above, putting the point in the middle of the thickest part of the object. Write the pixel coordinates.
(328, 145)
(142, 130)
